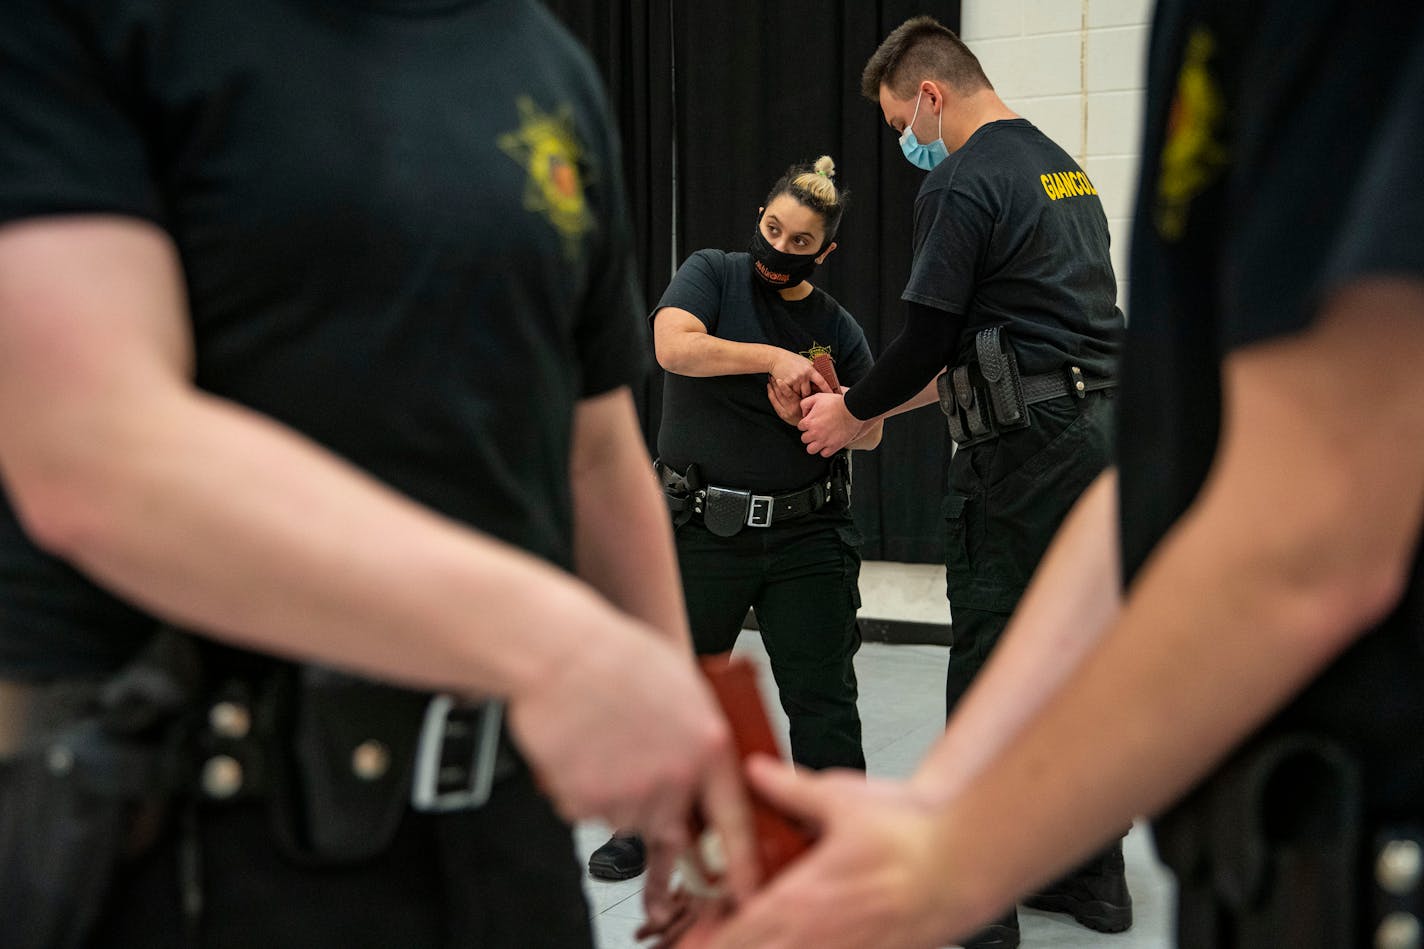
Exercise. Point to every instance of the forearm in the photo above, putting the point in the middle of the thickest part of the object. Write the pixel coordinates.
(908, 366)
(623, 542)
(929, 395)
(700, 355)
(870, 437)
(1073, 598)
(220, 520)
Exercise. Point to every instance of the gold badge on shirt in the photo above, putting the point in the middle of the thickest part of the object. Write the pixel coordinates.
(1194, 155)
(546, 146)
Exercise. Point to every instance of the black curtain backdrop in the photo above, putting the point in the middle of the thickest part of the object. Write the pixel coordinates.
(714, 101)
(631, 41)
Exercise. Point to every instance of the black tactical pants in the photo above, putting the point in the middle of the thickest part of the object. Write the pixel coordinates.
(1006, 500)
(503, 876)
(801, 577)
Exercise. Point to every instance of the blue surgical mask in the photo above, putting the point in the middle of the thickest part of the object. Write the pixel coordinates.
(920, 154)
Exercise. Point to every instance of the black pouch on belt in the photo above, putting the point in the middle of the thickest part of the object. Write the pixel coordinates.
(944, 385)
(725, 511)
(1000, 369)
(341, 795)
(975, 409)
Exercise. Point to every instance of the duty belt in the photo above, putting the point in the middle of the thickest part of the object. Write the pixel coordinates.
(437, 753)
(984, 398)
(725, 511)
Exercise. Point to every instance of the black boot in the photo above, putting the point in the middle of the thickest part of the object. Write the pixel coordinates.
(622, 858)
(1095, 894)
(1002, 933)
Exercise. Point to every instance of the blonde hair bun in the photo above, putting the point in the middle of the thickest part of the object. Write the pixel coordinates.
(817, 182)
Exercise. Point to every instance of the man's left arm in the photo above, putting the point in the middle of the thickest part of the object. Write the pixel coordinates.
(622, 532)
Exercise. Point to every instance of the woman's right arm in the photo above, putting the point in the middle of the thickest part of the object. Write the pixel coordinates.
(684, 347)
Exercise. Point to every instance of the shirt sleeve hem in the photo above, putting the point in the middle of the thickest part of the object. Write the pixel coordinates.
(911, 296)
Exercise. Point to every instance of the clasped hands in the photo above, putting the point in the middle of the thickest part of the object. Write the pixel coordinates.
(802, 398)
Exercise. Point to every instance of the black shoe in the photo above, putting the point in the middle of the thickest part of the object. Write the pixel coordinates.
(1000, 934)
(622, 858)
(1095, 894)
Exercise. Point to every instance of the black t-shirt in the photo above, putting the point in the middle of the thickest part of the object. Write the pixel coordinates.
(402, 231)
(1008, 229)
(725, 423)
(1284, 147)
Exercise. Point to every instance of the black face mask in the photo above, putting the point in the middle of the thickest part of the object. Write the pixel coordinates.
(777, 268)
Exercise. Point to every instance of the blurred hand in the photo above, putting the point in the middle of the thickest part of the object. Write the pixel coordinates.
(691, 921)
(626, 730)
(698, 925)
(875, 877)
(826, 425)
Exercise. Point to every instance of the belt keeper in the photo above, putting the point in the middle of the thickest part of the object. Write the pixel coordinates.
(1075, 377)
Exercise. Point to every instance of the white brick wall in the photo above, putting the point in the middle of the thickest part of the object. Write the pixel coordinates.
(1074, 68)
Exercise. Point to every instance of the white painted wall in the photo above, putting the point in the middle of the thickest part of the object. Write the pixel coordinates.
(1074, 68)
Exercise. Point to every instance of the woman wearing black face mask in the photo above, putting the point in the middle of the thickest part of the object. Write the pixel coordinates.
(760, 522)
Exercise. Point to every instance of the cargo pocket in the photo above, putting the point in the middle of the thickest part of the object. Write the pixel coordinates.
(850, 541)
(956, 541)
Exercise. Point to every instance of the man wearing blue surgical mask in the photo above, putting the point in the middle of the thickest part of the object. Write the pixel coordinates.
(923, 155)
(1011, 324)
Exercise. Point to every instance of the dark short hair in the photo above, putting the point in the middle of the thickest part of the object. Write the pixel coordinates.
(814, 186)
(919, 49)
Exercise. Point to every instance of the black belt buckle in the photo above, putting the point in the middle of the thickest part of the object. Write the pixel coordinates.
(455, 755)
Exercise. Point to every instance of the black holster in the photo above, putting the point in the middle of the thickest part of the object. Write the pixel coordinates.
(1266, 851)
(841, 480)
(680, 490)
(83, 794)
(999, 368)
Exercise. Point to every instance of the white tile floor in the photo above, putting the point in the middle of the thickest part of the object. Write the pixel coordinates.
(901, 709)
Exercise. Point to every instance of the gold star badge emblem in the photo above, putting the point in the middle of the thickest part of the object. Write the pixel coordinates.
(547, 147)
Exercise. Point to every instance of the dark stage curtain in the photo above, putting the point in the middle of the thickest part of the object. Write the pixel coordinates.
(734, 91)
(631, 41)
